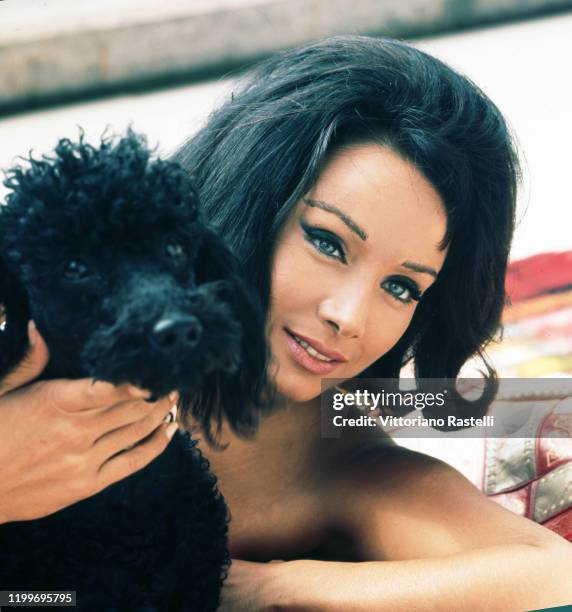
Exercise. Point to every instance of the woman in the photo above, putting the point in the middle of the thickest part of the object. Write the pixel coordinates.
(369, 191)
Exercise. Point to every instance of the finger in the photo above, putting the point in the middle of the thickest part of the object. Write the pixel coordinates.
(86, 394)
(124, 437)
(124, 413)
(130, 461)
(31, 366)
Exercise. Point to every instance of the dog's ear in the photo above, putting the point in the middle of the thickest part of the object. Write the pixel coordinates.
(247, 392)
(242, 395)
(14, 320)
(215, 261)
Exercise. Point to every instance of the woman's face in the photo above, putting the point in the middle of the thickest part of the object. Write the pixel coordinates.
(350, 266)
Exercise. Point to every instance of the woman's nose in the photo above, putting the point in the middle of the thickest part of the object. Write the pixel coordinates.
(346, 313)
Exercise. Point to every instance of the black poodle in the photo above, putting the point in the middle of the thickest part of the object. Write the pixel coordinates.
(105, 249)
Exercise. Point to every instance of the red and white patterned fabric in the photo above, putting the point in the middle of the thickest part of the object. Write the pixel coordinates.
(532, 476)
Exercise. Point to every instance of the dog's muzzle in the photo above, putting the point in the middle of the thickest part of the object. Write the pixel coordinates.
(178, 332)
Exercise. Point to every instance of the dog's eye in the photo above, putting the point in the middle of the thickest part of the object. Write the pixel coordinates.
(75, 269)
(173, 248)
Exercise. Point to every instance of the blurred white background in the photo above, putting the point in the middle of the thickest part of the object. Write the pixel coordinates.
(523, 67)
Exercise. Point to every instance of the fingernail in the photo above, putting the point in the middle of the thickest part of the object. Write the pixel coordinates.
(171, 416)
(171, 429)
(32, 333)
(173, 396)
(136, 391)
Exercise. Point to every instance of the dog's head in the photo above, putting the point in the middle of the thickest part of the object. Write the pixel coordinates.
(105, 249)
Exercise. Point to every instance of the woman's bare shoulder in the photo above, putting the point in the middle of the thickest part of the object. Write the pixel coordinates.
(400, 504)
(377, 464)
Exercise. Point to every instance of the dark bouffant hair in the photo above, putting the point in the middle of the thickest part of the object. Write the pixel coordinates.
(264, 149)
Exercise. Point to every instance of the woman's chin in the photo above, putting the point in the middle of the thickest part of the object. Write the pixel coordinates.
(298, 392)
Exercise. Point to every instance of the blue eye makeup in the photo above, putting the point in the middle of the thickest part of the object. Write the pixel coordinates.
(400, 288)
(324, 242)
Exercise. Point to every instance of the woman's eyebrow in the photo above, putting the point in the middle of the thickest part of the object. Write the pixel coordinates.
(356, 229)
(419, 268)
(415, 267)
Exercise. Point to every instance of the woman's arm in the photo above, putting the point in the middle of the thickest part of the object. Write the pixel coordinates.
(497, 578)
(516, 577)
(434, 541)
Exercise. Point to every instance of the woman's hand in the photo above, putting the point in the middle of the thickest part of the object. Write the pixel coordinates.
(64, 440)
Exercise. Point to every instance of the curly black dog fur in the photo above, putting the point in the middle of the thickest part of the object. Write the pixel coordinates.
(105, 249)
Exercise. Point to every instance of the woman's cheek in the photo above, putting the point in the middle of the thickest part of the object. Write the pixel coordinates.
(383, 335)
(290, 271)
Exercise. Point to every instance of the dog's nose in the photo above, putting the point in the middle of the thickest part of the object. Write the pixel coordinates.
(177, 332)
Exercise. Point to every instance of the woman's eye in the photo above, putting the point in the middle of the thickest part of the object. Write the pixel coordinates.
(327, 247)
(174, 249)
(325, 243)
(402, 291)
(75, 269)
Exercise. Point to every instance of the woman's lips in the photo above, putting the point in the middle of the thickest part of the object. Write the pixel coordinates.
(306, 360)
(318, 346)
